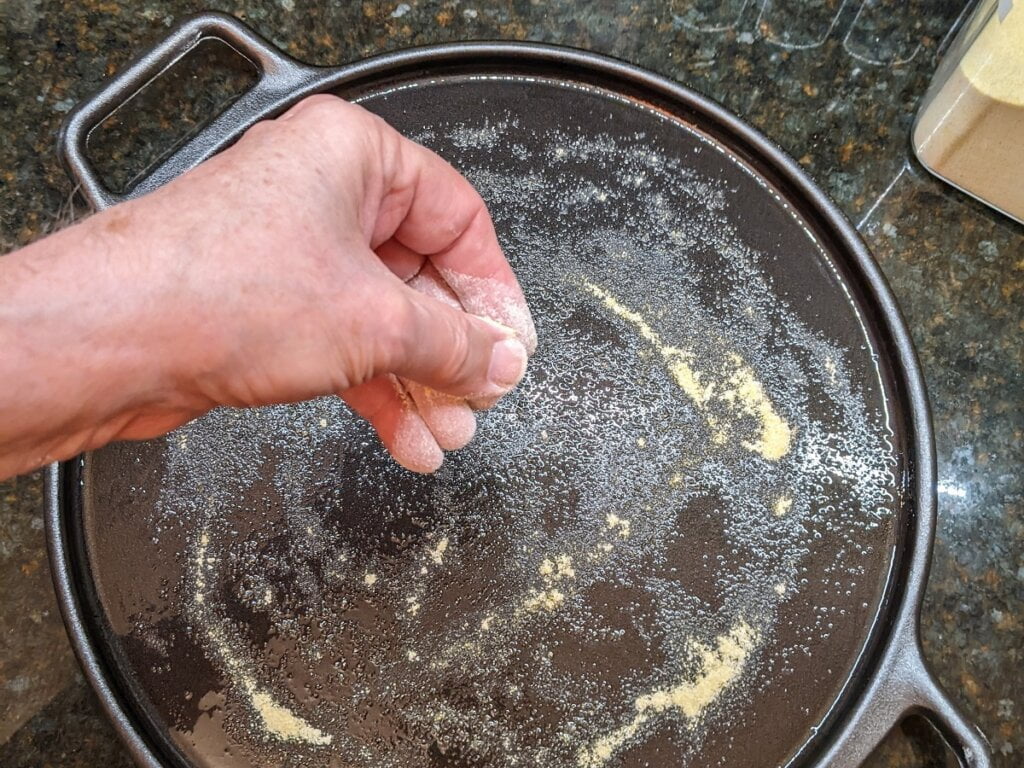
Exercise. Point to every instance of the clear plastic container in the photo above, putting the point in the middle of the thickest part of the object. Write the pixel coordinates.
(970, 129)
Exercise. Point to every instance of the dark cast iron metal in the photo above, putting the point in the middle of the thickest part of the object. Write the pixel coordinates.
(894, 679)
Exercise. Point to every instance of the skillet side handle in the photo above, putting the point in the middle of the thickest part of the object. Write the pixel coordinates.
(905, 686)
(964, 738)
(278, 74)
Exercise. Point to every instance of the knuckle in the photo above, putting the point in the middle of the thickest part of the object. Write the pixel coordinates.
(323, 113)
(258, 131)
(324, 107)
(318, 106)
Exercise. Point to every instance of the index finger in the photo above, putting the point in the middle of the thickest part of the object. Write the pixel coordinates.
(435, 211)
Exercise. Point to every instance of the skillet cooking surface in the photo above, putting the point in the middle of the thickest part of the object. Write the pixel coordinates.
(668, 546)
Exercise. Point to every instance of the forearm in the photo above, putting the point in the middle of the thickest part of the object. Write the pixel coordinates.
(89, 351)
(273, 272)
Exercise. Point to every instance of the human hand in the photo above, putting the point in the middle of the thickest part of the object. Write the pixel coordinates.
(323, 253)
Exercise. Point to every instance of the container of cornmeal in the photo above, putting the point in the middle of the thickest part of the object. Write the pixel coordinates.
(970, 130)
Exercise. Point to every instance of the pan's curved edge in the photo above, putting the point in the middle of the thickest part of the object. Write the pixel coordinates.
(900, 682)
(71, 609)
(897, 679)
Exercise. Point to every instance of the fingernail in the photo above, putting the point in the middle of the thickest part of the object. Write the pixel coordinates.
(508, 364)
(510, 332)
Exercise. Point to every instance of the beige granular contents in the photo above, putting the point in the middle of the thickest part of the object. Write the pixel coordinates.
(721, 666)
(995, 62)
(614, 522)
(370, 579)
(557, 569)
(277, 720)
(283, 724)
(437, 553)
(782, 505)
(747, 393)
(552, 571)
(544, 600)
(740, 391)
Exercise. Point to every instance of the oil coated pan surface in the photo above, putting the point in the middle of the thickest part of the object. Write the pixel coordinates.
(696, 534)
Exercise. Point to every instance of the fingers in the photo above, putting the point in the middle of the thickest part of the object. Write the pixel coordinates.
(450, 420)
(429, 281)
(414, 423)
(487, 296)
(386, 405)
(451, 351)
(403, 262)
(430, 209)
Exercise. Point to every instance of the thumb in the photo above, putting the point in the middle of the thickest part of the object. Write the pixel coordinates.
(452, 351)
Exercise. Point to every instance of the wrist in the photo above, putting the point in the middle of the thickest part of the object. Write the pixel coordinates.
(90, 340)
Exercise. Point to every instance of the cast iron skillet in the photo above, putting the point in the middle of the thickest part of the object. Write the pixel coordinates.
(888, 680)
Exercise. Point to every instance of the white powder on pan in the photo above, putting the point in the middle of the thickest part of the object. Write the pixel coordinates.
(511, 668)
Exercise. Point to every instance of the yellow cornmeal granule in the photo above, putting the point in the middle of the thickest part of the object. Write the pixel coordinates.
(437, 553)
(277, 720)
(738, 390)
(621, 524)
(544, 600)
(720, 666)
(782, 505)
(557, 569)
(284, 724)
(550, 598)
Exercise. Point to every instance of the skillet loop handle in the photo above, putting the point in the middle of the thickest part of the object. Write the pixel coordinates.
(964, 738)
(279, 75)
(904, 686)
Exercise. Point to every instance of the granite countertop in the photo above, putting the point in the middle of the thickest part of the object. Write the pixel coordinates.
(835, 82)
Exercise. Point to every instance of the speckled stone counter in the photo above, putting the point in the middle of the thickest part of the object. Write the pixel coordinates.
(834, 82)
